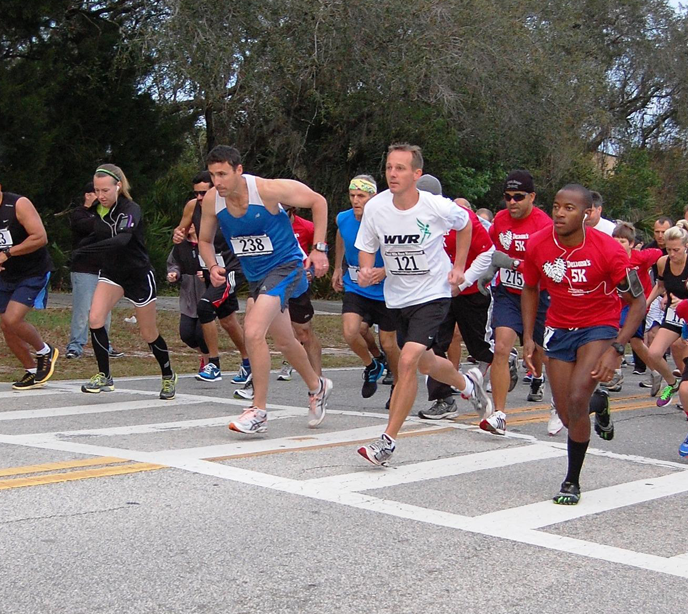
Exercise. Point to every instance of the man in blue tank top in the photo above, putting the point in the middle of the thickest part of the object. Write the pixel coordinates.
(363, 304)
(249, 212)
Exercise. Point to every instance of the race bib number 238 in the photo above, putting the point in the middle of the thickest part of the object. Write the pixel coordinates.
(252, 245)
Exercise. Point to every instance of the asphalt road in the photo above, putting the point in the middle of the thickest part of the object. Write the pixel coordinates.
(121, 502)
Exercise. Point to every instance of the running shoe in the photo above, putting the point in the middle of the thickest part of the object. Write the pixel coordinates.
(379, 451)
(245, 392)
(537, 389)
(569, 494)
(113, 353)
(638, 371)
(495, 424)
(676, 372)
(683, 448)
(472, 360)
(98, 383)
(317, 403)
(285, 372)
(527, 378)
(27, 382)
(388, 379)
(440, 409)
(599, 405)
(373, 372)
(210, 373)
(253, 420)
(614, 384)
(513, 369)
(479, 399)
(668, 392)
(624, 363)
(169, 387)
(71, 354)
(554, 424)
(242, 376)
(45, 365)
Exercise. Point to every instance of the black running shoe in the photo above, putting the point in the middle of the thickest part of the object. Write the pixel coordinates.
(45, 365)
(389, 401)
(371, 374)
(27, 382)
(599, 405)
(569, 494)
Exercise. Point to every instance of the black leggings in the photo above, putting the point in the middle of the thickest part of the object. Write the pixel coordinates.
(191, 333)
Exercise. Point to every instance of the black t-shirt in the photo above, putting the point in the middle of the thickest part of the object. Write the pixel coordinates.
(35, 264)
(118, 238)
(82, 221)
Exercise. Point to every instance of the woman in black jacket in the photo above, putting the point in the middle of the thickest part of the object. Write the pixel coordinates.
(118, 240)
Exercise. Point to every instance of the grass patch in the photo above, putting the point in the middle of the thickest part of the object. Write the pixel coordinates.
(54, 326)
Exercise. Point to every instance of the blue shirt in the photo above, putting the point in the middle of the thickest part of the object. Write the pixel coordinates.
(348, 229)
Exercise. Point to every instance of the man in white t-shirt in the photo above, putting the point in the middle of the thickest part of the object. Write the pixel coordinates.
(408, 227)
(595, 219)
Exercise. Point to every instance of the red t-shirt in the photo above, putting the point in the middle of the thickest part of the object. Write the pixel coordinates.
(480, 242)
(581, 280)
(511, 236)
(303, 231)
(643, 260)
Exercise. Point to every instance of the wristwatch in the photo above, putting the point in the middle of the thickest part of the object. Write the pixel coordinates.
(320, 246)
(620, 349)
(7, 253)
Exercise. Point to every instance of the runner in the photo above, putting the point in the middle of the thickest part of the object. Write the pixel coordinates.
(84, 276)
(218, 302)
(582, 268)
(408, 227)
(682, 312)
(470, 311)
(301, 310)
(643, 261)
(510, 233)
(250, 215)
(672, 277)
(595, 219)
(24, 275)
(363, 304)
(118, 239)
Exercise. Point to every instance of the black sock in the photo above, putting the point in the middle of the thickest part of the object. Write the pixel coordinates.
(576, 452)
(162, 355)
(101, 343)
(215, 360)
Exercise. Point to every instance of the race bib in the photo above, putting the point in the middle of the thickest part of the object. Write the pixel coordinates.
(218, 258)
(353, 273)
(252, 246)
(5, 238)
(406, 261)
(511, 278)
(672, 318)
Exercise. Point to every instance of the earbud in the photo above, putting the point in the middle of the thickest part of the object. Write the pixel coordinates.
(117, 190)
(585, 217)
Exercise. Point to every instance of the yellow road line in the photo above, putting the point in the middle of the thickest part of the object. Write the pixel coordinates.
(84, 462)
(71, 476)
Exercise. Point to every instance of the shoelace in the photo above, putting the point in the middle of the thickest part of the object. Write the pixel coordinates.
(168, 385)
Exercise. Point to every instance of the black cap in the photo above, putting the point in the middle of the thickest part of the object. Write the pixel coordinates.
(519, 180)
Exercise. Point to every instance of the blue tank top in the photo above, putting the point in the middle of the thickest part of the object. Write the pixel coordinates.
(261, 240)
(348, 227)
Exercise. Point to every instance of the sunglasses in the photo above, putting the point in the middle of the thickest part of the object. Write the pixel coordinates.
(200, 192)
(517, 198)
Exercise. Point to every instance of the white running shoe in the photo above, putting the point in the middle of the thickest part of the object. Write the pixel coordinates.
(317, 403)
(496, 423)
(379, 451)
(554, 424)
(246, 392)
(285, 372)
(253, 420)
(479, 399)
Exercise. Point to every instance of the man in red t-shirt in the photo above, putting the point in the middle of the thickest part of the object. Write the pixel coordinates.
(582, 269)
(301, 308)
(642, 261)
(510, 233)
(469, 309)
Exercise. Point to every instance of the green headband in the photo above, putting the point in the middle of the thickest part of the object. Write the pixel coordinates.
(364, 185)
(107, 172)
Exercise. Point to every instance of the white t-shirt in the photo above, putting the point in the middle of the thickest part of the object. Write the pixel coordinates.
(605, 226)
(412, 245)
